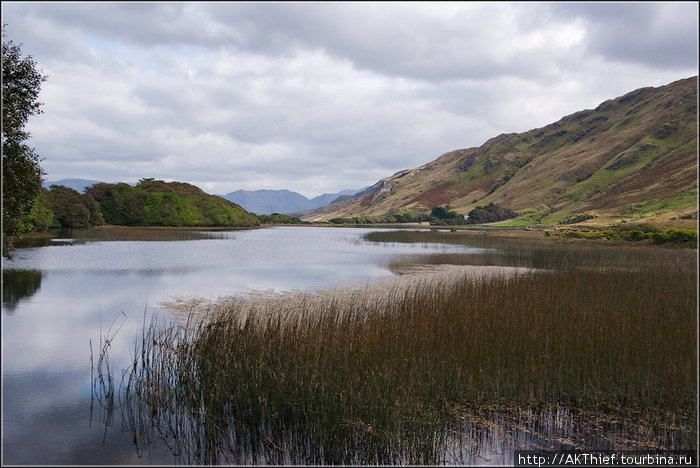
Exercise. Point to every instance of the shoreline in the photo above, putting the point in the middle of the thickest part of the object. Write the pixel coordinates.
(569, 233)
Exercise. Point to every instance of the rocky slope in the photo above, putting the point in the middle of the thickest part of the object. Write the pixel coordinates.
(631, 158)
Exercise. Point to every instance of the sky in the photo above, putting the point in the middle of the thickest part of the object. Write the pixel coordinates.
(319, 97)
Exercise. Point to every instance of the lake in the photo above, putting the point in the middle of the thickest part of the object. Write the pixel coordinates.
(570, 345)
(60, 299)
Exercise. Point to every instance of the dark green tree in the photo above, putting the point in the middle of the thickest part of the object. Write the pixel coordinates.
(440, 212)
(489, 214)
(21, 172)
(72, 209)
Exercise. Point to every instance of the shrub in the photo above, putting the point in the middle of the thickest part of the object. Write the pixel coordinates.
(440, 212)
(637, 233)
(489, 214)
(278, 218)
(682, 235)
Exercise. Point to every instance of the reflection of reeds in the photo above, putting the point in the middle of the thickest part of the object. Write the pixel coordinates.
(103, 385)
(138, 233)
(546, 253)
(403, 373)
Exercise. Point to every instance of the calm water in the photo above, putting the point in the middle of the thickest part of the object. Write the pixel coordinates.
(58, 300)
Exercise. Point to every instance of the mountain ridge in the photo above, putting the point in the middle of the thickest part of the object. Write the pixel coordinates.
(255, 201)
(632, 157)
(283, 201)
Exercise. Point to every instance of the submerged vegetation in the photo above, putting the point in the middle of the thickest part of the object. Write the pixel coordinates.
(596, 349)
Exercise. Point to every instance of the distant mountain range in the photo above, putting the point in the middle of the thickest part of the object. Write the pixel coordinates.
(281, 201)
(632, 158)
(253, 201)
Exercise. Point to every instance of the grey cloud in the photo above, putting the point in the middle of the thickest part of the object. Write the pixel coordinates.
(293, 95)
(657, 34)
(475, 40)
(147, 23)
(411, 43)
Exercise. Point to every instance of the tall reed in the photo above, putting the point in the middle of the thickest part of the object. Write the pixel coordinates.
(388, 373)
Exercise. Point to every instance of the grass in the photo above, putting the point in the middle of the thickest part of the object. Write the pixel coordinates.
(637, 232)
(409, 372)
(681, 202)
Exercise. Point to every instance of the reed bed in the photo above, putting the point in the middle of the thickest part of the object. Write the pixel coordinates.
(138, 233)
(424, 370)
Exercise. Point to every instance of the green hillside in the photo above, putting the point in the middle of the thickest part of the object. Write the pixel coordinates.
(157, 203)
(630, 158)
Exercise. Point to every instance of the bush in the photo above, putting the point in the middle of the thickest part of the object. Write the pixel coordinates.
(659, 238)
(682, 235)
(440, 212)
(278, 218)
(489, 214)
(643, 232)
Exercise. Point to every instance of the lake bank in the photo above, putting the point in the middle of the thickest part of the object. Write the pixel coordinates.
(685, 232)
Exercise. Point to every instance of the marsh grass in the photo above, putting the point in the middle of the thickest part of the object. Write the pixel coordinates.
(550, 253)
(429, 370)
(131, 233)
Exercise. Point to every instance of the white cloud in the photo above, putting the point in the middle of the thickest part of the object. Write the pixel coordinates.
(322, 97)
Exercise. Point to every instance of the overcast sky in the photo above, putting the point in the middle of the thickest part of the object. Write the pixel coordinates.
(323, 97)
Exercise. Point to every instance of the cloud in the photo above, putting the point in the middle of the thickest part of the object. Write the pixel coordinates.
(322, 97)
(413, 40)
(657, 35)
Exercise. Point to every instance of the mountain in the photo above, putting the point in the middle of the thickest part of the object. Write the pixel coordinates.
(257, 201)
(280, 201)
(631, 158)
(78, 185)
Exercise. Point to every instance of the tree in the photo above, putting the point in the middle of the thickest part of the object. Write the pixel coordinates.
(489, 214)
(21, 172)
(440, 212)
(41, 218)
(72, 209)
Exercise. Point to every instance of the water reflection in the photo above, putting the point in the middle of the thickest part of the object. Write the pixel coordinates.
(155, 234)
(18, 285)
(59, 296)
(44, 423)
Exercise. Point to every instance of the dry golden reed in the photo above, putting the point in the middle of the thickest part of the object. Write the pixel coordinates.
(398, 372)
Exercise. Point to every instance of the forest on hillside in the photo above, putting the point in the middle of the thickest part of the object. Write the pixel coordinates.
(148, 203)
